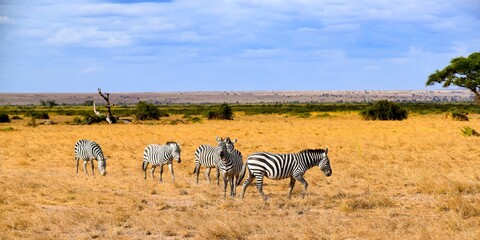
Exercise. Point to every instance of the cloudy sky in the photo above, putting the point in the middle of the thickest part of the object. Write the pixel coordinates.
(203, 45)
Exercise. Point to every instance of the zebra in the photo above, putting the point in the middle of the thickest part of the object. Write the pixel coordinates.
(88, 151)
(231, 165)
(280, 166)
(159, 155)
(205, 155)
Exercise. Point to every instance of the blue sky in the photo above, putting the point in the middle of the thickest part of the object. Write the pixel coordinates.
(207, 45)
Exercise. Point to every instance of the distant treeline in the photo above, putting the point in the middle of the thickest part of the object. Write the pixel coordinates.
(248, 109)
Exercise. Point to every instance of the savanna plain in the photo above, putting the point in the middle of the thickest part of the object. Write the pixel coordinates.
(412, 179)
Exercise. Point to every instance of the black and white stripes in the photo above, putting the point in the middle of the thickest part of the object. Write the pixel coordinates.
(230, 164)
(280, 166)
(87, 150)
(159, 155)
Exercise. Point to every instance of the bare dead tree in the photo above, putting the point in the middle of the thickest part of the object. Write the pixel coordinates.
(110, 118)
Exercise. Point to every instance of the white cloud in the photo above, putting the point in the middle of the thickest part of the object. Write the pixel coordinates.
(5, 20)
(264, 53)
(90, 37)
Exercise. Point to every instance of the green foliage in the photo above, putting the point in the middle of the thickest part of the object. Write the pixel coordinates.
(146, 111)
(384, 110)
(32, 123)
(7, 129)
(48, 103)
(4, 118)
(469, 132)
(459, 115)
(462, 72)
(224, 112)
(37, 115)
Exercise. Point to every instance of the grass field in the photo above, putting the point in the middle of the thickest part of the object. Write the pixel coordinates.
(412, 179)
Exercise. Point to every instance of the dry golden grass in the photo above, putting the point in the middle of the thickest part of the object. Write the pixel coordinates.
(414, 179)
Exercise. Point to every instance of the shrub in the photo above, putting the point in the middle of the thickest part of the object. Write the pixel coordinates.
(4, 118)
(468, 131)
(224, 112)
(458, 115)
(384, 110)
(145, 111)
(37, 115)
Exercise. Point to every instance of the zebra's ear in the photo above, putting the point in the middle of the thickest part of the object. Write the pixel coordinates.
(326, 150)
(234, 141)
(218, 139)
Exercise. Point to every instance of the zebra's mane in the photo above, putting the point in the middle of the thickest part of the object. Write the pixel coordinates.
(313, 151)
(172, 143)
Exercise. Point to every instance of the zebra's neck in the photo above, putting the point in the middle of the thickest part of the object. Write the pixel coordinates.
(309, 159)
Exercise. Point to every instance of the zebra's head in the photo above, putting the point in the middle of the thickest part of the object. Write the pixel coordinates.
(175, 150)
(221, 149)
(324, 164)
(102, 165)
(230, 143)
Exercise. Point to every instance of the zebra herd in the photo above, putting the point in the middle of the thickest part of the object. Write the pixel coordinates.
(225, 159)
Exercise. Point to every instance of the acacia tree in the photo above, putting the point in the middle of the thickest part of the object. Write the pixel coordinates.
(462, 72)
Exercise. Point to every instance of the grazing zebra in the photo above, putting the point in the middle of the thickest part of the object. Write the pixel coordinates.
(205, 155)
(159, 155)
(88, 151)
(280, 166)
(230, 165)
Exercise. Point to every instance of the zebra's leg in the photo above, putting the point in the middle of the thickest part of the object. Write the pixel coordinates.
(305, 184)
(77, 159)
(170, 167)
(247, 182)
(260, 186)
(225, 182)
(85, 167)
(232, 186)
(152, 170)
(218, 176)
(207, 174)
(197, 171)
(161, 172)
(93, 167)
(292, 184)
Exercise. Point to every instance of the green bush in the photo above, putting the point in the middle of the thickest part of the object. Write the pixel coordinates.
(4, 118)
(146, 111)
(458, 115)
(384, 110)
(468, 131)
(37, 115)
(224, 112)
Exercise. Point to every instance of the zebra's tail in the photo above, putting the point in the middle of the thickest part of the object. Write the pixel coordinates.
(242, 174)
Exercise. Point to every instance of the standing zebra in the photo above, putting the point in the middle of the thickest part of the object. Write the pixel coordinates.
(230, 165)
(88, 151)
(205, 155)
(280, 166)
(159, 155)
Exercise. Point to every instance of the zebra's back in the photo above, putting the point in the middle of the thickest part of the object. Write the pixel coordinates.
(273, 166)
(154, 154)
(205, 155)
(88, 150)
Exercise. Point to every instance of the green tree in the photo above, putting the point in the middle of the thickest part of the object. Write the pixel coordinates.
(384, 110)
(224, 112)
(462, 72)
(146, 111)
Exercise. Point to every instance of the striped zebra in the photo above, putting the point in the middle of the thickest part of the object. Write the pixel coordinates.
(87, 151)
(159, 155)
(280, 166)
(205, 155)
(230, 165)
